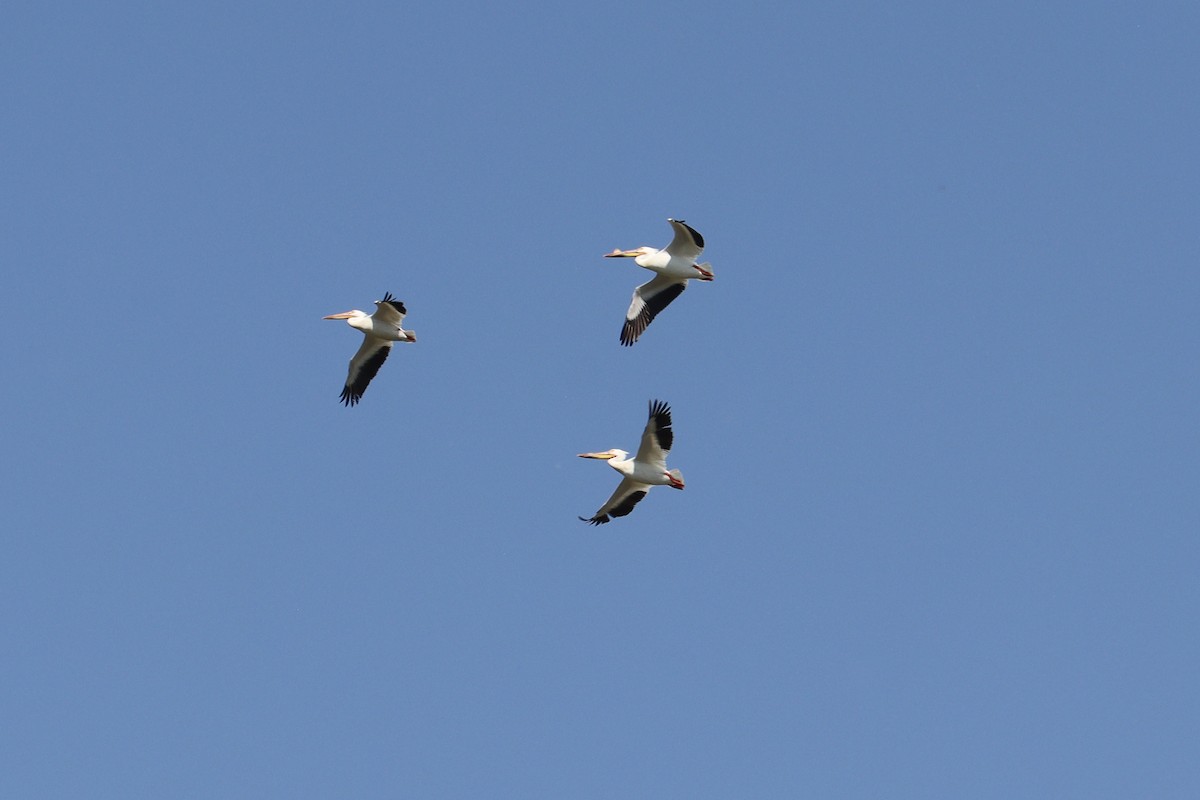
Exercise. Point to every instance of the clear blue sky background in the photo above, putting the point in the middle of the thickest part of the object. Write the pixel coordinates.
(937, 413)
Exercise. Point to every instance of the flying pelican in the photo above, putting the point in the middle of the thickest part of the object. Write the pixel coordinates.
(379, 331)
(673, 266)
(648, 468)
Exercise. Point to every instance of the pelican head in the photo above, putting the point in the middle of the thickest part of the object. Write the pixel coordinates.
(606, 455)
(347, 315)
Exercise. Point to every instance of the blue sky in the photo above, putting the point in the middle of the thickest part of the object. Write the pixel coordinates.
(937, 412)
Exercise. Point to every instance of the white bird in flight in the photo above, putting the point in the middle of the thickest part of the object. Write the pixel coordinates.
(648, 468)
(379, 331)
(673, 266)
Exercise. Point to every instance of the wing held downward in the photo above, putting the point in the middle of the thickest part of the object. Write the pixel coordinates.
(628, 494)
(363, 367)
(648, 300)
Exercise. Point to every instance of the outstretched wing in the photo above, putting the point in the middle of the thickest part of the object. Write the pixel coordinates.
(657, 437)
(628, 494)
(363, 367)
(389, 310)
(649, 299)
(688, 243)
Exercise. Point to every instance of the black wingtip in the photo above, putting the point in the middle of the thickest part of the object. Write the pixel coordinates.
(633, 329)
(626, 506)
(390, 299)
(660, 412)
(695, 233)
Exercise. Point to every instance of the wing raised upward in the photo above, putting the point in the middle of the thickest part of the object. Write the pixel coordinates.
(688, 243)
(648, 300)
(389, 310)
(628, 494)
(657, 437)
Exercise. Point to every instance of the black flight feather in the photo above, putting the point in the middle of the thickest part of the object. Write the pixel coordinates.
(695, 234)
(353, 391)
(660, 412)
(622, 509)
(394, 303)
(634, 328)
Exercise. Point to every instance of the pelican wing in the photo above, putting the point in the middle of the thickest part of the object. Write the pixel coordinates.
(688, 243)
(658, 437)
(628, 494)
(363, 367)
(649, 299)
(389, 310)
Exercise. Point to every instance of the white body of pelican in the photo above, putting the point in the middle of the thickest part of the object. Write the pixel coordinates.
(648, 468)
(379, 331)
(673, 266)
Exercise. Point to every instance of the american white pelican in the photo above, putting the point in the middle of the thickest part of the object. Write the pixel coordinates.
(379, 331)
(673, 266)
(648, 468)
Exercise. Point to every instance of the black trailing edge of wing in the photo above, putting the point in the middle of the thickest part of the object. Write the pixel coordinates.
(353, 391)
(622, 509)
(660, 412)
(394, 303)
(633, 329)
(696, 237)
